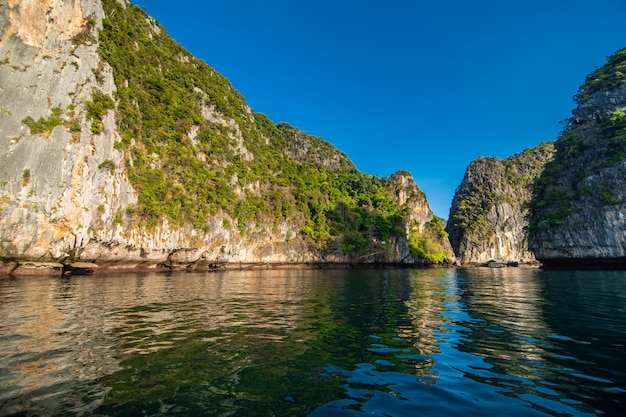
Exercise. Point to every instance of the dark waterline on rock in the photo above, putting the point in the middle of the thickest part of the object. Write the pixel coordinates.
(396, 342)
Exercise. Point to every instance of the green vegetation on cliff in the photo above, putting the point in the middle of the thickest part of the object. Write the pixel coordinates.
(44, 125)
(427, 244)
(194, 149)
(581, 151)
(591, 141)
(489, 183)
(605, 78)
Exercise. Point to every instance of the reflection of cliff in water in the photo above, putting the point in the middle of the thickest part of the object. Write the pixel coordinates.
(431, 290)
(41, 326)
(198, 344)
(587, 313)
(548, 329)
(508, 306)
(247, 340)
(582, 299)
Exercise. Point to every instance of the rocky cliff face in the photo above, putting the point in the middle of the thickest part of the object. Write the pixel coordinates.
(592, 233)
(564, 205)
(105, 162)
(54, 196)
(579, 209)
(489, 214)
(428, 242)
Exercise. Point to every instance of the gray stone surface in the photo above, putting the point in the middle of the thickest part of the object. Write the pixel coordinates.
(66, 210)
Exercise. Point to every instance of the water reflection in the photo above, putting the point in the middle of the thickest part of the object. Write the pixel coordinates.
(48, 340)
(529, 328)
(288, 343)
(508, 305)
(222, 344)
(489, 340)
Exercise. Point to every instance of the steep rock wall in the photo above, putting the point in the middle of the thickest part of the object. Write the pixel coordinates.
(579, 208)
(489, 215)
(67, 198)
(63, 190)
(420, 224)
(593, 234)
(564, 207)
(54, 195)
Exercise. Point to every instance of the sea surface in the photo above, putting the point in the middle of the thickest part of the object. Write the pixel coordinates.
(388, 342)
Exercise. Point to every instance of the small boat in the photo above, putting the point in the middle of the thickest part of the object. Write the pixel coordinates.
(497, 263)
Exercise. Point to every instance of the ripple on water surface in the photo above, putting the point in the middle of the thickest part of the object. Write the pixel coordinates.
(379, 342)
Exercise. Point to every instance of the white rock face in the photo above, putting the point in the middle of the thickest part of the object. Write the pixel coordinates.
(54, 196)
(64, 190)
(508, 240)
(594, 229)
(489, 213)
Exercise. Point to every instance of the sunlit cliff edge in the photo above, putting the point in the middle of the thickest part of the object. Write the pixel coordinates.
(489, 213)
(120, 150)
(562, 205)
(578, 210)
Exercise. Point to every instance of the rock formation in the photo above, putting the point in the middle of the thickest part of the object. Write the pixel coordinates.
(427, 237)
(489, 213)
(579, 208)
(563, 205)
(126, 152)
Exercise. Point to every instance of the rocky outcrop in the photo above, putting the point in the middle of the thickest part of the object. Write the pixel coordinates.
(593, 233)
(84, 188)
(420, 224)
(489, 213)
(562, 205)
(601, 104)
(55, 197)
(579, 208)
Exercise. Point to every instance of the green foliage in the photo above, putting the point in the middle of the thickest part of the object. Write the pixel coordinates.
(471, 210)
(74, 126)
(607, 196)
(97, 107)
(107, 164)
(117, 219)
(25, 176)
(99, 104)
(359, 225)
(44, 125)
(160, 96)
(605, 78)
(613, 129)
(187, 169)
(427, 244)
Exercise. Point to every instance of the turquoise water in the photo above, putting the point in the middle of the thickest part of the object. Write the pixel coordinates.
(432, 342)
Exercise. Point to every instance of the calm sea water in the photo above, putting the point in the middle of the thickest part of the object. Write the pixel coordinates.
(435, 342)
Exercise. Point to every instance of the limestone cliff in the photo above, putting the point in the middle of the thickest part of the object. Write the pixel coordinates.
(563, 205)
(488, 217)
(118, 149)
(53, 193)
(579, 209)
(427, 238)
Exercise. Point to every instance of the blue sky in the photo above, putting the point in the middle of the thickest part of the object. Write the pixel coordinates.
(419, 85)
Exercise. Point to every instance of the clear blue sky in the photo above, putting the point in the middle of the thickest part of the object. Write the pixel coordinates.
(421, 85)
